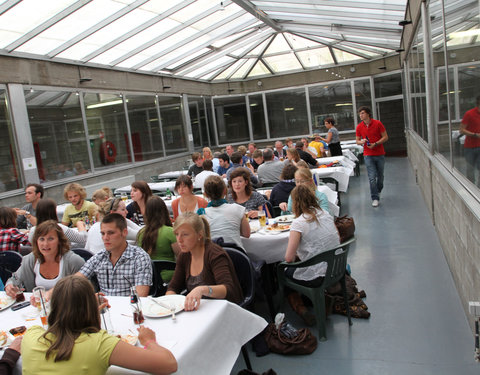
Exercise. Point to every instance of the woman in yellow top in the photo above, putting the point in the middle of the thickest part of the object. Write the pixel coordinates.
(74, 342)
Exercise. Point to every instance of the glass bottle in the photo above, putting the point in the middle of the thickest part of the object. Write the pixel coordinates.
(136, 305)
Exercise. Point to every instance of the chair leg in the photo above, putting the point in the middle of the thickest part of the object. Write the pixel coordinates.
(267, 278)
(345, 297)
(246, 357)
(320, 313)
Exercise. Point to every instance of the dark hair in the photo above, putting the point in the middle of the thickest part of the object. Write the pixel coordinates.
(184, 180)
(146, 192)
(240, 172)
(253, 144)
(8, 218)
(268, 154)
(295, 154)
(207, 165)
(214, 187)
(288, 172)
(46, 210)
(156, 216)
(42, 230)
(224, 157)
(38, 189)
(257, 154)
(196, 156)
(330, 120)
(236, 157)
(68, 318)
(366, 109)
(119, 221)
(304, 201)
(299, 144)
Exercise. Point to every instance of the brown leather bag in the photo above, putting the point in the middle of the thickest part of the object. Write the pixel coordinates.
(304, 343)
(346, 227)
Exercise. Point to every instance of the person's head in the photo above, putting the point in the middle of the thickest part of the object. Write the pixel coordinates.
(302, 164)
(289, 142)
(329, 122)
(191, 231)
(107, 190)
(224, 160)
(217, 154)
(229, 150)
(258, 156)
(113, 205)
(365, 113)
(114, 232)
(68, 318)
(278, 145)
(304, 201)
(242, 150)
(268, 154)
(46, 210)
(79, 169)
(140, 192)
(305, 142)
(303, 176)
(293, 155)
(207, 165)
(240, 182)
(207, 153)
(316, 137)
(49, 241)
(74, 193)
(214, 188)
(299, 145)
(251, 147)
(8, 218)
(236, 158)
(99, 196)
(156, 216)
(33, 193)
(184, 185)
(288, 172)
(197, 159)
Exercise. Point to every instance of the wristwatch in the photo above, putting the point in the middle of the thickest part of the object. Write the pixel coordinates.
(210, 291)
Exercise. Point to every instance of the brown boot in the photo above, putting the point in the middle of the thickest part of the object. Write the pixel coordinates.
(296, 303)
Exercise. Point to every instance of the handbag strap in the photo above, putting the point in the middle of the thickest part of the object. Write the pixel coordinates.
(302, 334)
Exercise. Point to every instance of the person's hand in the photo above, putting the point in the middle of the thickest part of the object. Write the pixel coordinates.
(103, 301)
(252, 214)
(81, 226)
(145, 335)
(372, 145)
(16, 344)
(11, 290)
(20, 212)
(192, 301)
(283, 206)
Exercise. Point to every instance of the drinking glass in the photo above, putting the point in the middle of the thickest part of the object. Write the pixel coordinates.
(39, 295)
(124, 196)
(262, 218)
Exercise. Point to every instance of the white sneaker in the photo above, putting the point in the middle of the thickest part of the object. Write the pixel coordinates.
(375, 203)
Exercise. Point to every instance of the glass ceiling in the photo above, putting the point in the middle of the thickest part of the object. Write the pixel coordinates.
(209, 40)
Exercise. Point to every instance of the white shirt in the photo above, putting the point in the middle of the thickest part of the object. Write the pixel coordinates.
(225, 221)
(94, 239)
(201, 177)
(46, 283)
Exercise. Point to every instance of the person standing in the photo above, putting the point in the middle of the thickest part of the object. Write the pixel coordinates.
(371, 134)
(333, 138)
(26, 215)
(470, 126)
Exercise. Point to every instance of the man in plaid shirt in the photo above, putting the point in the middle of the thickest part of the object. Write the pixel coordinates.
(119, 265)
(10, 237)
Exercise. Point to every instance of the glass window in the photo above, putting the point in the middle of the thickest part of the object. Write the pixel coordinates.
(58, 134)
(231, 117)
(144, 127)
(258, 117)
(287, 113)
(10, 175)
(107, 128)
(201, 136)
(468, 84)
(172, 124)
(363, 95)
(331, 100)
(388, 85)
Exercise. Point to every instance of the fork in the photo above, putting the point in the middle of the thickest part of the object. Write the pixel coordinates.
(165, 306)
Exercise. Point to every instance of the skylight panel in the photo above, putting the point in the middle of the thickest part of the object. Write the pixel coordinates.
(283, 63)
(279, 44)
(259, 70)
(317, 57)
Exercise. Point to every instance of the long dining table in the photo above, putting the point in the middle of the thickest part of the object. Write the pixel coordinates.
(206, 341)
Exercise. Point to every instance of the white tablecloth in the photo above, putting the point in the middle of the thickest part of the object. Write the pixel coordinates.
(349, 154)
(172, 174)
(340, 174)
(206, 341)
(154, 186)
(266, 246)
(357, 149)
(343, 160)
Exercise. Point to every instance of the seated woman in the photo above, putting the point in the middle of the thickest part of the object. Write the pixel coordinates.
(49, 261)
(226, 220)
(75, 341)
(157, 237)
(303, 176)
(47, 210)
(293, 156)
(188, 202)
(242, 193)
(207, 153)
(112, 205)
(10, 237)
(203, 268)
(281, 191)
(312, 232)
(140, 193)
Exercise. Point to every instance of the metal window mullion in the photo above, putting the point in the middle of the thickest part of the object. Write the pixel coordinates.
(457, 96)
(187, 123)
(265, 113)
(309, 112)
(215, 130)
(85, 129)
(249, 118)
(199, 122)
(354, 102)
(206, 121)
(160, 125)
(372, 98)
(130, 143)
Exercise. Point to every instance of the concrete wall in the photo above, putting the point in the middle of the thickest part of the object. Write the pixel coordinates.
(456, 215)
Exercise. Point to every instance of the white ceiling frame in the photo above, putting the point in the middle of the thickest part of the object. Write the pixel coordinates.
(338, 4)
(7, 5)
(283, 13)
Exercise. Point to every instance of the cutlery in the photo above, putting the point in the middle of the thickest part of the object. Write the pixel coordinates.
(165, 306)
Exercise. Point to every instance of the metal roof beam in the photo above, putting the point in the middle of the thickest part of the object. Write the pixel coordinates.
(296, 13)
(258, 13)
(338, 4)
(7, 5)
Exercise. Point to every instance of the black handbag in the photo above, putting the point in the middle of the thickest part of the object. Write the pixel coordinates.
(303, 343)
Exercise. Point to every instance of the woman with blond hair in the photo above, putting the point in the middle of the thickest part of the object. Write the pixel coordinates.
(207, 153)
(74, 342)
(203, 268)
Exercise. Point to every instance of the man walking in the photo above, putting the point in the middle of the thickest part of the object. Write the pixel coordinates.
(371, 134)
(470, 126)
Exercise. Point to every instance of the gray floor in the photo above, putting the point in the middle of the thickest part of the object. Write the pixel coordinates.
(418, 325)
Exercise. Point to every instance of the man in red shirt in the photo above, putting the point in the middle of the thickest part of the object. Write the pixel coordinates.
(371, 134)
(470, 126)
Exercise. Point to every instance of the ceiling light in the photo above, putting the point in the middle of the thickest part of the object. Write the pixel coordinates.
(105, 104)
(342, 104)
(289, 109)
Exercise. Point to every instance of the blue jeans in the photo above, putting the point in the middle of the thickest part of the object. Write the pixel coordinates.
(472, 156)
(375, 166)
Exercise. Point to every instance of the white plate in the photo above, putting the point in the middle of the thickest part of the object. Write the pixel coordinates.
(6, 338)
(154, 310)
(6, 302)
(129, 339)
(285, 219)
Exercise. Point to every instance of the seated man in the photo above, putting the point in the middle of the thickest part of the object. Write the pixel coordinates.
(224, 165)
(270, 170)
(305, 156)
(79, 209)
(237, 163)
(202, 176)
(257, 158)
(119, 265)
(27, 214)
(197, 167)
(279, 151)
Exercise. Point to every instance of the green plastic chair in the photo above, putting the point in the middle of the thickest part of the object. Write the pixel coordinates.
(336, 268)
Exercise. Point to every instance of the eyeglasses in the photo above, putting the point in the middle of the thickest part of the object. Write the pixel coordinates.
(301, 181)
